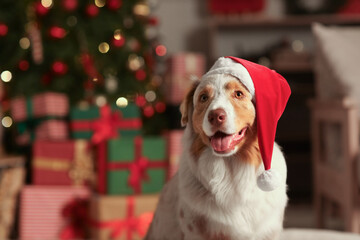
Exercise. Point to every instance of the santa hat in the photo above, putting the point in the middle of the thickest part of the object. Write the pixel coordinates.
(271, 93)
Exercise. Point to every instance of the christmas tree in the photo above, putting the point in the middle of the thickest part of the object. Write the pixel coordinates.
(96, 52)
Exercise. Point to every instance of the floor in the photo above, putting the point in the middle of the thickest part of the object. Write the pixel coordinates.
(301, 215)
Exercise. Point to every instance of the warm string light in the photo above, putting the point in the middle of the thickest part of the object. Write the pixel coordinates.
(24, 43)
(7, 121)
(104, 47)
(47, 3)
(100, 3)
(6, 76)
(121, 102)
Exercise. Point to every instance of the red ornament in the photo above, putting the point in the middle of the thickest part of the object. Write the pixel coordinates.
(160, 107)
(59, 67)
(92, 10)
(70, 5)
(89, 67)
(148, 111)
(46, 79)
(154, 21)
(118, 42)
(57, 32)
(23, 65)
(140, 101)
(3, 29)
(114, 4)
(140, 75)
(40, 9)
(160, 50)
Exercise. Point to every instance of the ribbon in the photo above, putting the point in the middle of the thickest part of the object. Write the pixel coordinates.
(51, 164)
(105, 126)
(138, 167)
(130, 225)
(76, 216)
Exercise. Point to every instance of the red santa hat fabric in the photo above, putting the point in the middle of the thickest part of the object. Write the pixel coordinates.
(271, 93)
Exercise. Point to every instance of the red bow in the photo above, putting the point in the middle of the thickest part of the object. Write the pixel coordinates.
(106, 126)
(138, 167)
(130, 224)
(76, 214)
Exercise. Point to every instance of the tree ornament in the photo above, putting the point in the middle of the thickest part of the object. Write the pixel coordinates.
(153, 21)
(141, 9)
(148, 111)
(36, 43)
(23, 65)
(140, 101)
(114, 4)
(57, 32)
(70, 5)
(46, 79)
(160, 107)
(92, 10)
(135, 62)
(59, 68)
(3, 29)
(119, 39)
(40, 10)
(89, 67)
(111, 84)
(140, 75)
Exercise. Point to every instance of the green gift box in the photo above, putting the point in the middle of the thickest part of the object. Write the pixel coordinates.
(136, 165)
(84, 121)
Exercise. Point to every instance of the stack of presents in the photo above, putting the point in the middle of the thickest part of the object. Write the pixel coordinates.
(93, 174)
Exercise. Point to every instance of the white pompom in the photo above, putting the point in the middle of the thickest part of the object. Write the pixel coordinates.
(268, 180)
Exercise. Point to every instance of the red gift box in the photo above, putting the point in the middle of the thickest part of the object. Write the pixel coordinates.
(42, 211)
(62, 163)
(235, 6)
(182, 69)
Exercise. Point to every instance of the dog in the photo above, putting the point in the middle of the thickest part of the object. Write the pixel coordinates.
(215, 195)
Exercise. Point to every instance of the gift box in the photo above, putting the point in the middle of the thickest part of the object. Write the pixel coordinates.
(12, 176)
(62, 163)
(46, 212)
(182, 70)
(101, 123)
(132, 165)
(39, 106)
(52, 129)
(174, 139)
(121, 217)
(235, 6)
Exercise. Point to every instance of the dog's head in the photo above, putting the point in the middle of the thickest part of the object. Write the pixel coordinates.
(221, 112)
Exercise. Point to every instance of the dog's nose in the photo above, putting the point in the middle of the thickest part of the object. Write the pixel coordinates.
(217, 117)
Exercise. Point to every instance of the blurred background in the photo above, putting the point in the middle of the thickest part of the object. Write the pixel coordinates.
(90, 93)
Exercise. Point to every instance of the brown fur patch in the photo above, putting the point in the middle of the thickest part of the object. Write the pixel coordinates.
(187, 104)
(219, 236)
(181, 213)
(190, 228)
(201, 225)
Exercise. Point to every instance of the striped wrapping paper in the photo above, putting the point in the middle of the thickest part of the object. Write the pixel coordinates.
(174, 139)
(41, 210)
(183, 68)
(52, 130)
(41, 105)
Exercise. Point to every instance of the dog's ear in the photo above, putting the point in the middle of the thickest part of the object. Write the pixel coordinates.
(186, 107)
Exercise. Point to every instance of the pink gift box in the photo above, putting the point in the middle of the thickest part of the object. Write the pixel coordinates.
(174, 139)
(41, 210)
(41, 105)
(52, 130)
(183, 69)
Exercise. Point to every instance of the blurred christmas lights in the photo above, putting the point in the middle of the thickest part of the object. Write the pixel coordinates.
(47, 3)
(150, 96)
(121, 102)
(160, 50)
(24, 43)
(100, 3)
(6, 76)
(7, 121)
(104, 47)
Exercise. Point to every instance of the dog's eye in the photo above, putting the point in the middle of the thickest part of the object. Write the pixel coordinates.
(203, 98)
(238, 94)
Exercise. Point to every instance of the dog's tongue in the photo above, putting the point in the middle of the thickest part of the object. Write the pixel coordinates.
(221, 142)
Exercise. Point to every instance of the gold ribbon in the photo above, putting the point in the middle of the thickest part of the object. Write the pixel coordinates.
(51, 164)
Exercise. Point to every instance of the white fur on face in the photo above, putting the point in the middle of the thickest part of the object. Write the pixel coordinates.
(220, 100)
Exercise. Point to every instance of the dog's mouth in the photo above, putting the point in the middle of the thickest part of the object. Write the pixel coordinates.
(223, 143)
